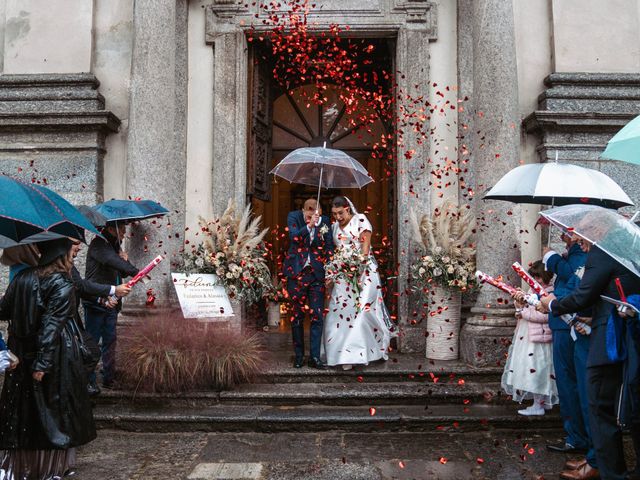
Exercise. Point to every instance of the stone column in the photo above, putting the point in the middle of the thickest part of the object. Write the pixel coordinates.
(229, 120)
(413, 180)
(494, 152)
(156, 162)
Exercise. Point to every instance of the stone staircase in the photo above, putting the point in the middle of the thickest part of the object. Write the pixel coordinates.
(406, 393)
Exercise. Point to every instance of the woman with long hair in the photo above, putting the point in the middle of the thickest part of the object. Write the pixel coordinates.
(44, 406)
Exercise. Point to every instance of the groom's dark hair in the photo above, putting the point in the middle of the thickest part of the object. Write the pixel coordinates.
(340, 202)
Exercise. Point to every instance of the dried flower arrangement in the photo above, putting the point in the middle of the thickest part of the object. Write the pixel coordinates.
(449, 259)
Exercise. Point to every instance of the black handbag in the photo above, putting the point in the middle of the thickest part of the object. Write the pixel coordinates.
(89, 349)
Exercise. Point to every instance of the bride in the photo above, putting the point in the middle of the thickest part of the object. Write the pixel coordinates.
(357, 327)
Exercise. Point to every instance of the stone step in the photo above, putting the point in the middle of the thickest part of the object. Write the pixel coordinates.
(267, 418)
(399, 368)
(389, 393)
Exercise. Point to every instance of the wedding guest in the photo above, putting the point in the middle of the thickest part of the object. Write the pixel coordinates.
(106, 264)
(577, 439)
(565, 271)
(97, 293)
(604, 376)
(44, 406)
(19, 258)
(310, 243)
(528, 372)
(358, 327)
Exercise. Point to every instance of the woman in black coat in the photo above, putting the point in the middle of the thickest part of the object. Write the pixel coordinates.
(44, 406)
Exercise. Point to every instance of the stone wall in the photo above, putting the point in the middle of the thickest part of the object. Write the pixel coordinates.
(578, 113)
(52, 130)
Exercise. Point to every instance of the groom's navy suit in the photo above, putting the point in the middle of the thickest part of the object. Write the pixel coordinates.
(304, 269)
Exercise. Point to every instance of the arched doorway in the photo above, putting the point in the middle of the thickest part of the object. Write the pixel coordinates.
(296, 122)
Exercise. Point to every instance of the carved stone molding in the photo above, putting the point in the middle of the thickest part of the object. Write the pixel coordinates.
(364, 17)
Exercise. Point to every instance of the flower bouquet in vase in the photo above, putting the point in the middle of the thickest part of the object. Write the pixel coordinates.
(233, 249)
(443, 272)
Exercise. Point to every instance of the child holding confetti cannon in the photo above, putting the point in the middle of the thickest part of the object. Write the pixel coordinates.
(528, 372)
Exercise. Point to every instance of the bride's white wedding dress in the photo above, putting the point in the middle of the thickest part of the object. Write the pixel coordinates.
(356, 330)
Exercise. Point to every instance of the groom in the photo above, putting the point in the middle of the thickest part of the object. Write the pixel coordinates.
(310, 243)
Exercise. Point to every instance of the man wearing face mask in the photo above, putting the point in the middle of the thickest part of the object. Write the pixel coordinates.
(109, 265)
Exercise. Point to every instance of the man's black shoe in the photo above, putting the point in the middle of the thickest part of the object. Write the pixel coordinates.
(298, 362)
(316, 363)
(93, 389)
(565, 448)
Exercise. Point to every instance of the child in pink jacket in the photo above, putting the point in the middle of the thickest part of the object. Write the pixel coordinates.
(528, 372)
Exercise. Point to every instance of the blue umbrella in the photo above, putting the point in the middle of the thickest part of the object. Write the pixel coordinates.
(30, 213)
(130, 210)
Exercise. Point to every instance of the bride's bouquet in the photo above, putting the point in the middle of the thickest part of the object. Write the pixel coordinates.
(347, 265)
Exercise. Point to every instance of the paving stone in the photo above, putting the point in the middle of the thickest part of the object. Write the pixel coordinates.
(226, 471)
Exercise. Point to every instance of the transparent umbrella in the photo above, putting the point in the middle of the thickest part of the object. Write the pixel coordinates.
(322, 167)
(614, 234)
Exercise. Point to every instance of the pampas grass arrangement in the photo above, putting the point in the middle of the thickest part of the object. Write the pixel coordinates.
(449, 258)
(171, 355)
(233, 249)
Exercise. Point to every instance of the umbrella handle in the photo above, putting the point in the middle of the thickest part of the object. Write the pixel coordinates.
(319, 187)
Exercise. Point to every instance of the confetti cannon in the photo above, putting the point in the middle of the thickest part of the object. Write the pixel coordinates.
(482, 277)
(569, 319)
(145, 271)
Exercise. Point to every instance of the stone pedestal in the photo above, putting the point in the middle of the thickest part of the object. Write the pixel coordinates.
(487, 336)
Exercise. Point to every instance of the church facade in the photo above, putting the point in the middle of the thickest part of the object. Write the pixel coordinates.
(168, 100)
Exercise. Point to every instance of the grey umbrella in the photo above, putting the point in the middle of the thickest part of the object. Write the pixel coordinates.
(322, 167)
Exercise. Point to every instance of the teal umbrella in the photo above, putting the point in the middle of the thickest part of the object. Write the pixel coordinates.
(130, 210)
(31, 213)
(625, 145)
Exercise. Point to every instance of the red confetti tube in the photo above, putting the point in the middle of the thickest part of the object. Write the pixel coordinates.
(505, 287)
(535, 286)
(145, 271)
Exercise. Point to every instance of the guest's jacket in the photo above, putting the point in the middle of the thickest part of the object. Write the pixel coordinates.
(104, 265)
(305, 247)
(599, 279)
(537, 323)
(54, 413)
(566, 279)
(87, 290)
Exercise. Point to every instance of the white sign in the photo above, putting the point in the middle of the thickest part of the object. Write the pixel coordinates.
(201, 295)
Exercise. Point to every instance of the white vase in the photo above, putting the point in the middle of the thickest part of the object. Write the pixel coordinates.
(273, 318)
(443, 323)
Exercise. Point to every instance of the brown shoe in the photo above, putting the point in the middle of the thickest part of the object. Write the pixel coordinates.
(575, 464)
(586, 472)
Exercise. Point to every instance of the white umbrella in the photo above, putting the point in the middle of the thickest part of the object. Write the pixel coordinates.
(558, 184)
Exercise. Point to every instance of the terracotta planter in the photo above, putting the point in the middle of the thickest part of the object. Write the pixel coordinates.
(443, 323)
